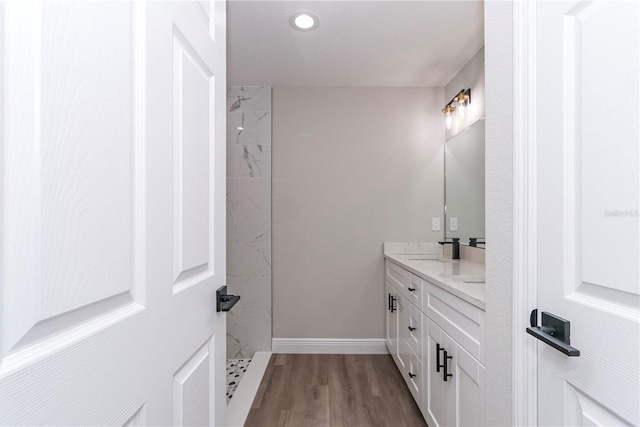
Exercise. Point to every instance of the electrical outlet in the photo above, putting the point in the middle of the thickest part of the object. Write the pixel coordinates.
(453, 224)
(435, 224)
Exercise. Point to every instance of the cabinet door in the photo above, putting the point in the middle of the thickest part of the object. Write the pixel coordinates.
(414, 377)
(438, 393)
(415, 291)
(392, 322)
(414, 330)
(403, 332)
(468, 376)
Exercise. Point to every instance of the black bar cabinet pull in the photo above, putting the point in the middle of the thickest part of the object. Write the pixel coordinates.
(412, 375)
(412, 329)
(389, 302)
(411, 289)
(554, 331)
(446, 374)
(392, 301)
(438, 365)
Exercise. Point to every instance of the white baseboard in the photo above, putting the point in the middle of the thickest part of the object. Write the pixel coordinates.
(240, 404)
(329, 345)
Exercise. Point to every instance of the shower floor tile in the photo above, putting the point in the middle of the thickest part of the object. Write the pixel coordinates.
(235, 370)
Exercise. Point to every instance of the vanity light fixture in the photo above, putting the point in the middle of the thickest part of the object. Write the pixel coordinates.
(448, 118)
(304, 21)
(461, 100)
(458, 104)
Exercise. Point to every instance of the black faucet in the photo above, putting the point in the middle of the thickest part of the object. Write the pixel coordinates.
(455, 247)
(473, 241)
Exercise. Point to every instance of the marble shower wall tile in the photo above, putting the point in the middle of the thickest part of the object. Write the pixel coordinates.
(248, 260)
(249, 127)
(249, 161)
(233, 194)
(255, 194)
(249, 227)
(249, 323)
(249, 219)
(249, 98)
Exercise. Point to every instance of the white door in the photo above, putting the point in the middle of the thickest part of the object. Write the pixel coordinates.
(112, 171)
(588, 177)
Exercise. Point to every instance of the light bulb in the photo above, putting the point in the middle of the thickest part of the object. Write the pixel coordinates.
(461, 103)
(304, 21)
(448, 118)
(460, 109)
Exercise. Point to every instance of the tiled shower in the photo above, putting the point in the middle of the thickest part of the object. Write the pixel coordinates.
(248, 224)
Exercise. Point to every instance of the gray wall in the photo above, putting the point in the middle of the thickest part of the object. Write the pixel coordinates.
(352, 168)
(499, 212)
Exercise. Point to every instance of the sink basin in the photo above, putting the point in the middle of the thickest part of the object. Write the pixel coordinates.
(470, 279)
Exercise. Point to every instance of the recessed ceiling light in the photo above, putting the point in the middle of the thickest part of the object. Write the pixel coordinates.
(304, 21)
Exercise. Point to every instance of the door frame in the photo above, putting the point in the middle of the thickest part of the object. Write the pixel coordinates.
(525, 285)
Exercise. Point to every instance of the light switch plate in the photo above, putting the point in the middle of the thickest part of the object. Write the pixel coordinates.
(435, 224)
(453, 224)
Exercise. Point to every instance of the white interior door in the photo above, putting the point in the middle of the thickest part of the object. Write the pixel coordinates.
(112, 154)
(588, 189)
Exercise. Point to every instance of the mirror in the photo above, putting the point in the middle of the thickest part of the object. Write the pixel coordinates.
(464, 186)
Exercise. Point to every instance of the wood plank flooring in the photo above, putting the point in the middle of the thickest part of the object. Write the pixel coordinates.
(302, 390)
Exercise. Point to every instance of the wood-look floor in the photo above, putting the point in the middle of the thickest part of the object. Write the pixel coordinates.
(301, 390)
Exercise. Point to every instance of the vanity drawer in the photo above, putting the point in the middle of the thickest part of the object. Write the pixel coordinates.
(463, 322)
(413, 377)
(415, 326)
(415, 290)
(397, 276)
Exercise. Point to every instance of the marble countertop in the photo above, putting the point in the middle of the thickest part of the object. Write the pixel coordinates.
(442, 272)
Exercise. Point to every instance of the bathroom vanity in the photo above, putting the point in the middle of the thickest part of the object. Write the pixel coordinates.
(435, 332)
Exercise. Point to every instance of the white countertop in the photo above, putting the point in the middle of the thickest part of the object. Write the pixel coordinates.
(442, 271)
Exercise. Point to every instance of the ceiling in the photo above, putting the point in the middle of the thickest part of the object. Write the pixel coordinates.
(358, 43)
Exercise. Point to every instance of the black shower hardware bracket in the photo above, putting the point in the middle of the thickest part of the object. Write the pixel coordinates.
(224, 301)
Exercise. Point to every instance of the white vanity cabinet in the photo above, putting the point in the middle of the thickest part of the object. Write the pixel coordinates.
(436, 340)
(396, 325)
(454, 393)
(391, 321)
(439, 394)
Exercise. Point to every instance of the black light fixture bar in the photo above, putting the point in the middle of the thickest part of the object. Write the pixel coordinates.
(466, 92)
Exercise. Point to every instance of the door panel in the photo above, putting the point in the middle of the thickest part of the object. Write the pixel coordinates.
(191, 389)
(470, 400)
(192, 84)
(112, 225)
(70, 167)
(584, 411)
(588, 181)
(438, 393)
(86, 153)
(605, 203)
